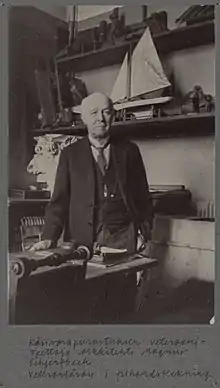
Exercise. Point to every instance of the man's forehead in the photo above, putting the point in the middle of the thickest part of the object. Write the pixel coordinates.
(97, 102)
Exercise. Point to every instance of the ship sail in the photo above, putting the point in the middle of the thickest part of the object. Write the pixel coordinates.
(119, 92)
(147, 77)
(147, 74)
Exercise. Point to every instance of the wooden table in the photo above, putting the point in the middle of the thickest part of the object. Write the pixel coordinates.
(136, 265)
(87, 274)
(144, 264)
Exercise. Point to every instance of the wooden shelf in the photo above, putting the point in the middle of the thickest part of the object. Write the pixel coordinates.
(177, 39)
(78, 130)
(108, 56)
(172, 126)
(166, 127)
(186, 37)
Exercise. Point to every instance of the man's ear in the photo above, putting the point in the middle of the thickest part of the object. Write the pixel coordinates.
(83, 115)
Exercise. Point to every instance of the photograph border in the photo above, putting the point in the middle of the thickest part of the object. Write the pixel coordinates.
(14, 339)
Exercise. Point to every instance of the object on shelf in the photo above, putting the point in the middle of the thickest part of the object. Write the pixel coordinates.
(83, 42)
(47, 114)
(196, 14)
(46, 157)
(165, 188)
(205, 210)
(196, 101)
(78, 90)
(117, 26)
(157, 22)
(64, 119)
(77, 119)
(109, 33)
(72, 14)
(74, 49)
(66, 116)
(171, 199)
(39, 119)
(72, 90)
(143, 114)
(141, 80)
(100, 34)
(140, 113)
(72, 22)
(28, 194)
(93, 39)
(31, 230)
(96, 38)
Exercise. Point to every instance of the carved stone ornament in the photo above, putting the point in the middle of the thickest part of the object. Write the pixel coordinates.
(46, 156)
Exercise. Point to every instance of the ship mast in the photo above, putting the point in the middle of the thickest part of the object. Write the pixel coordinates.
(129, 64)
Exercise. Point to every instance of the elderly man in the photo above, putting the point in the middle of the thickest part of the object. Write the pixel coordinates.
(101, 193)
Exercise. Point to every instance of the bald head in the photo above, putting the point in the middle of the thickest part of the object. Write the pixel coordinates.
(97, 114)
(96, 99)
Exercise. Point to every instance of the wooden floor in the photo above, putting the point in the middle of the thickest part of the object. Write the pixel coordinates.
(192, 303)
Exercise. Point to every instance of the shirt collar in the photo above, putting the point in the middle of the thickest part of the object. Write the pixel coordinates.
(95, 144)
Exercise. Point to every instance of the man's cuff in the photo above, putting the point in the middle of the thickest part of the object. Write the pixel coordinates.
(146, 230)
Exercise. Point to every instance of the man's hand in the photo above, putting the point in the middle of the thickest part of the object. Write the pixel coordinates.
(143, 246)
(41, 245)
(141, 243)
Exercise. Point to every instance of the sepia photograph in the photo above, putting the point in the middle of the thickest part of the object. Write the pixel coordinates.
(111, 178)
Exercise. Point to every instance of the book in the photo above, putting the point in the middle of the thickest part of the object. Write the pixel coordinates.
(99, 262)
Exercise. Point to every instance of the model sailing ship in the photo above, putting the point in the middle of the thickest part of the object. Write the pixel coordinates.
(141, 82)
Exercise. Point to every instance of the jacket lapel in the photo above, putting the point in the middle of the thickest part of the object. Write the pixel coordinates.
(85, 166)
(119, 155)
(119, 160)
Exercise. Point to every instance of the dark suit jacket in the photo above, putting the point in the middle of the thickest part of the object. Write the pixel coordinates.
(72, 203)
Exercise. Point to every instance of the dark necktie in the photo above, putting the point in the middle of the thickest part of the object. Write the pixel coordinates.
(101, 160)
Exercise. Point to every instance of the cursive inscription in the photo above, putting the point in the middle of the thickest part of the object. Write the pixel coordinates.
(82, 358)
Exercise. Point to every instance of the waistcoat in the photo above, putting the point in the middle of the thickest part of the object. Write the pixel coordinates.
(111, 216)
